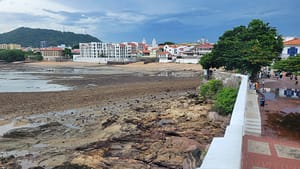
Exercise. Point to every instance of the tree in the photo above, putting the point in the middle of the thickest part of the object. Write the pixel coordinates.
(167, 43)
(208, 62)
(68, 53)
(291, 64)
(12, 55)
(246, 49)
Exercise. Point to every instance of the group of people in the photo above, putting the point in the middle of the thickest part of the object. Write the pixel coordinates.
(296, 79)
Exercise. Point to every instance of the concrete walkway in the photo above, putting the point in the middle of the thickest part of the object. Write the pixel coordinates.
(252, 115)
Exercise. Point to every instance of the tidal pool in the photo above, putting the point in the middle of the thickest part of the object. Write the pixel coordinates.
(24, 82)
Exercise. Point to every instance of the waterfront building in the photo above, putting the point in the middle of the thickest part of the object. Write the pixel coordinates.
(204, 48)
(184, 53)
(52, 53)
(99, 52)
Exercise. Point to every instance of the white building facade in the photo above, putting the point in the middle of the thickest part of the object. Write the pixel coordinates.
(291, 48)
(99, 52)
(184, 53)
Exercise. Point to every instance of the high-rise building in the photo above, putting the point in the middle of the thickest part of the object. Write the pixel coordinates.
(43, 44)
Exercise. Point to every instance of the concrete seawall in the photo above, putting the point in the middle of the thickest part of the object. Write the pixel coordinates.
(226, 152)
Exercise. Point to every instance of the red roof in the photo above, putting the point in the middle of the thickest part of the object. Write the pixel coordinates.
(76, 51)
(162, 53)
(295, 41)
(132, 44)
(146, 51)
(205, 46)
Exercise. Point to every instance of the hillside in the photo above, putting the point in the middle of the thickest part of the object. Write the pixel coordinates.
(32, 37)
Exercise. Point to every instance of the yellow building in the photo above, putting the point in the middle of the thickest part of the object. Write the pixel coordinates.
(10, 46)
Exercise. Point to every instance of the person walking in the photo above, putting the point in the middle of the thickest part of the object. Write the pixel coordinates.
(262, 101)
(257, 87)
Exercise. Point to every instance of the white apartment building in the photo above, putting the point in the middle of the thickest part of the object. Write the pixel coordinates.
(99, 52)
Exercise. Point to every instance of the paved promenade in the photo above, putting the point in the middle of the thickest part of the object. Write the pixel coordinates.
(270, 153)
(265, 151)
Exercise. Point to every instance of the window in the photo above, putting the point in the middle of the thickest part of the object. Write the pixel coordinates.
(292, 51)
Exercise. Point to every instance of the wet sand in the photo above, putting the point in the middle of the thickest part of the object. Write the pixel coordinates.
(94, 89)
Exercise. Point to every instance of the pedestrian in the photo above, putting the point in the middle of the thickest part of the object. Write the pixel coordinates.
(262, 100)
(257, 87)
(250, 85)
(280, 75)
(296, 83)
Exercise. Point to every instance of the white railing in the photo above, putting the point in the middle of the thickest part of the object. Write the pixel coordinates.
(226, 152)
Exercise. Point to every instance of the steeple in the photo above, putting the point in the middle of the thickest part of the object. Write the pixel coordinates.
(154, 44)
(144, 41)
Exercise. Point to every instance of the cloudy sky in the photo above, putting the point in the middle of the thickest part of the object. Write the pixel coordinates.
(165, 20)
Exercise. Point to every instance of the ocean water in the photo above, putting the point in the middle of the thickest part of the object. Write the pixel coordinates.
(25, 82)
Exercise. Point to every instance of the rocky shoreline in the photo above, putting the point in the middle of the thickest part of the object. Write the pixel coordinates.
(155, 122)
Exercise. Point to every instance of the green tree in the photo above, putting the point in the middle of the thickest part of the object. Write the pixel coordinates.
(12, 55)
(167, 43)
(68, 53)
(207, 62)
(246, 49)
(291, 64)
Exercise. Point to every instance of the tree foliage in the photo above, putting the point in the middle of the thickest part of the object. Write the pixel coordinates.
(225, 100)
(210, 89)
(68, 53)
(167, 43)
(291, 64)
(34, 56)
(12, 55)
(246, 49)
(224, 97)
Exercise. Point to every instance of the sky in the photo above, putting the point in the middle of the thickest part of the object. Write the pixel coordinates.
(165, 20)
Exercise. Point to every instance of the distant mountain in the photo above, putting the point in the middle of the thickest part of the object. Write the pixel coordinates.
(27, 37)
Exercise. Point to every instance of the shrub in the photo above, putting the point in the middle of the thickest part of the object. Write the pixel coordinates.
(225, 100)
(210, 89)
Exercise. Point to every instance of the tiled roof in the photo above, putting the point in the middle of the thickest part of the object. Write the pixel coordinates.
(163, 53)
(205, 46)
(295, 41)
